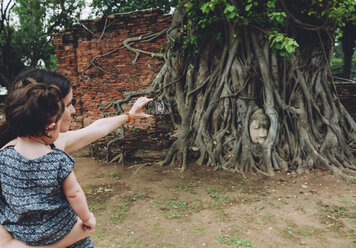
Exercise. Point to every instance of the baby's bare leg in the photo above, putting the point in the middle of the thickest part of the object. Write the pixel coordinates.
(77, 233)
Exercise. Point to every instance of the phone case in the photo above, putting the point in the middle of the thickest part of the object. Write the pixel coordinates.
(159, 107)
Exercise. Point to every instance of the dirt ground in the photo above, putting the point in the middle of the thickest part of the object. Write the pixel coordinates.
(146, 205)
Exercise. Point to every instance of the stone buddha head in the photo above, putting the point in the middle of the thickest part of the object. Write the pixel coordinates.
(258, 126)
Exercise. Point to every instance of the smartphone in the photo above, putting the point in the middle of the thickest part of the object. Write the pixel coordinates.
(159, 107)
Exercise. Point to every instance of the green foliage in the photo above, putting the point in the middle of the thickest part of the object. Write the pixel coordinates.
(268, 16)
(231, 13)
(38, 21)
(11, 56)
(27, 30)
(335, 12)
(281, 44)
(52, 63)
(108, 7)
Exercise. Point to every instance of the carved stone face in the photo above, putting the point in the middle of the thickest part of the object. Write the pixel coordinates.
(259, 125)
(258, 134)
(159, 107)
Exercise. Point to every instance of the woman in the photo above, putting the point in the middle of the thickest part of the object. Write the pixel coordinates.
(69, 141)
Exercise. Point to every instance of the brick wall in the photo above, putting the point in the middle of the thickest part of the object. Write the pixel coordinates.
(114, 73)
(101, 41)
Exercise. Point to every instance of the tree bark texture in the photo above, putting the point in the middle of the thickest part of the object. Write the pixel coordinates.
(348, 41)
(218, 91)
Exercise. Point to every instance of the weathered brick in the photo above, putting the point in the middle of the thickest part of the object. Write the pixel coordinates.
(76, 48)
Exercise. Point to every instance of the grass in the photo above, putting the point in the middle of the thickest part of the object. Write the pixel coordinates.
(120, 212)
(132, 243)
(331, 215)
(278, 203)
(215, 194)
(99, 233)
(136, 197)
(177, 208)
(158, 229)
(288, 232)
(311, 231)
(96, 207)
(189, 187)
(251, 210)
(197, 228)
(112, 175)
(136, 243)
(294, 232)
(269, 219)
(259, 207)
(220, 200)
(177, 204)
(234, 241)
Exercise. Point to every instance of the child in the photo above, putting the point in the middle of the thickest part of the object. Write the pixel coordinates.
(40, 197)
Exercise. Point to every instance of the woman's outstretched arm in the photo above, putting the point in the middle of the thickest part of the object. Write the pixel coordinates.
(74, 140)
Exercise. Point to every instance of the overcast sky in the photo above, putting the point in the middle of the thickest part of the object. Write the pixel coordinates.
(84, 14)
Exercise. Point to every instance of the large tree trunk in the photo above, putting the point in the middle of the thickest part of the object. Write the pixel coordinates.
(217, 93)
(348, 41)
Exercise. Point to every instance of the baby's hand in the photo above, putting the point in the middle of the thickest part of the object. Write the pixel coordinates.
(89, 225)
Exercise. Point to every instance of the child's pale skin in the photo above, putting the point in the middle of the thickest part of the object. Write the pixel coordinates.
(77, 233)
(70, 141)
(33, 147)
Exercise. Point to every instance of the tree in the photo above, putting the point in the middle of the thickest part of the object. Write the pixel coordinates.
(337, 63)
(38, 21)
(235, 66)
(105, 8)
(8, 59)
(348, 41)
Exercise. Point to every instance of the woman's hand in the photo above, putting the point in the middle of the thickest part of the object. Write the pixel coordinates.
(138, 109)
(89, 225)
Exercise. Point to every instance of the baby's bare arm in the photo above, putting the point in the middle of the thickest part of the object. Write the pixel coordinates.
(76, 198)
